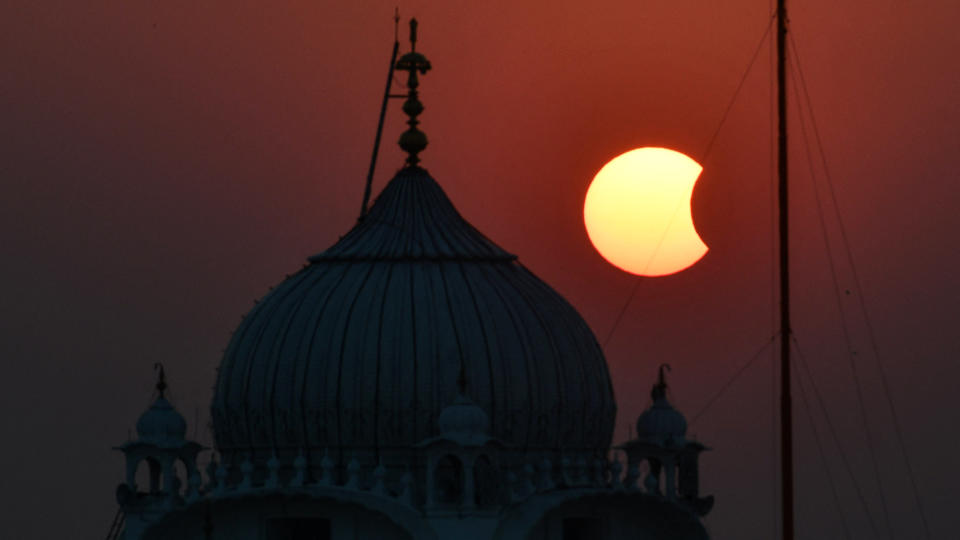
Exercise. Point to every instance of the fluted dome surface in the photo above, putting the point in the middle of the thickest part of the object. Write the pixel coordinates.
(362, 347)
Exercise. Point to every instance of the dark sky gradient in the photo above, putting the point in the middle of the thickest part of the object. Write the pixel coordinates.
(164, 163)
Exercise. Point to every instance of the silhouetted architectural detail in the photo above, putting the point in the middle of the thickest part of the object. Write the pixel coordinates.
(415, 381)
(662, 445)
(454, 458)
(362, 348)
(159, 447)
(413, 141)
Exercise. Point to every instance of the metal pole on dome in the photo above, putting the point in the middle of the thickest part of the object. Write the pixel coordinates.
(383, 113)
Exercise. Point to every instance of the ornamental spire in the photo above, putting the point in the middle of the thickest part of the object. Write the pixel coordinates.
(161, 378)
(660, 389)
(413, 141)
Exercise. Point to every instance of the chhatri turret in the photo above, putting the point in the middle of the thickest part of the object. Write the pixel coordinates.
(662, 445)
(464, 462)
(162, 448)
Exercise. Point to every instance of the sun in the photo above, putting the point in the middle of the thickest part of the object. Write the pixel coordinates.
(637, 212)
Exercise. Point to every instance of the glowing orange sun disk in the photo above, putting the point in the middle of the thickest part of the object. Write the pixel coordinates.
(637, 212)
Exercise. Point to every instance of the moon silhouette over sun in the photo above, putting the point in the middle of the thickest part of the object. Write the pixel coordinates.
(637, 212)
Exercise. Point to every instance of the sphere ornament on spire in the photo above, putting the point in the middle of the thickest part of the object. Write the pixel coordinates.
(413, 141)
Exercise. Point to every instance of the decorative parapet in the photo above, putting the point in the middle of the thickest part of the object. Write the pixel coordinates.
(672, 471)
(523, 481)
(535, 483)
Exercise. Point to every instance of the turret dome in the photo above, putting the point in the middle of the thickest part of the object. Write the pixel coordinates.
(161, 423)
(361, 348)
(463, 419)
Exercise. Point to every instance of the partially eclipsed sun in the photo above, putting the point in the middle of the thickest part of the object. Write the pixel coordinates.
(637, 212)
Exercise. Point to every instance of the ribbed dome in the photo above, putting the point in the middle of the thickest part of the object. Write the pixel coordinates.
(161, 424)
(362, 347)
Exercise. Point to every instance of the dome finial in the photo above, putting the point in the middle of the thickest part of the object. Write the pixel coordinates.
(660, 389)
(413, 141)
(161, 378)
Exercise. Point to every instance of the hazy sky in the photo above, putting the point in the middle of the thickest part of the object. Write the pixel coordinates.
(165, 163)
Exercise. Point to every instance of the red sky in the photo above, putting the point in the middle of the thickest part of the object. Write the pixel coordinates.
(164, 163)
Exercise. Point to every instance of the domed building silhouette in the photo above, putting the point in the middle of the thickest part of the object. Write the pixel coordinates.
(413, 381)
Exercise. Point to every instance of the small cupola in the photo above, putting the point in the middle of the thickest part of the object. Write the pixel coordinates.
(463, 465)
(661, 446)
(161, 424)
(661, 423)
(161, 443)
(464, 421)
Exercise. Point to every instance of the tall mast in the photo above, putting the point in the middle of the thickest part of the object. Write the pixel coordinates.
(786, 407)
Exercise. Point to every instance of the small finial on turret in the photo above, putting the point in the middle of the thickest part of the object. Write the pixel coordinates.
(413, 141)
(660, 389)
(161, 378)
